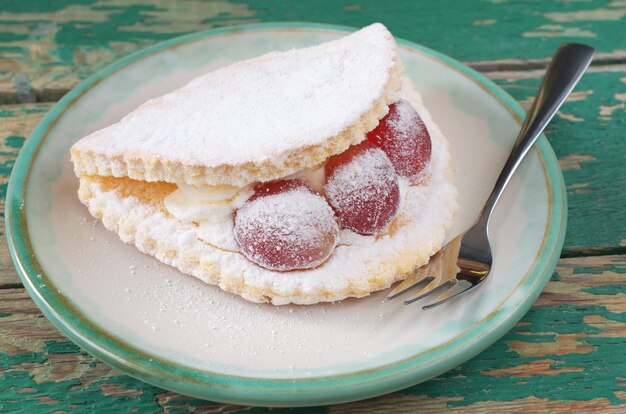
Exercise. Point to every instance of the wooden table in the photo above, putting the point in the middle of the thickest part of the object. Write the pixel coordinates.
(567, 354)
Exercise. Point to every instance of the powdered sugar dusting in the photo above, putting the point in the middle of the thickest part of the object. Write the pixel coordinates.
(298, 225)
(404, 122)
(220, 235)
(405, 139)
(217, 119)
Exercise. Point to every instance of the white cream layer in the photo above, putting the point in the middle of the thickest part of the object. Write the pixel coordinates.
(211, 209)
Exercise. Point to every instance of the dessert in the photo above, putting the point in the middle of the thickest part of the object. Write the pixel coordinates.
(300, 177)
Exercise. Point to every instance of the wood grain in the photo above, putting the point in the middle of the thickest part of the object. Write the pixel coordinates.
(587, 136)
(16, 123)
(566, 355)
(48, 47)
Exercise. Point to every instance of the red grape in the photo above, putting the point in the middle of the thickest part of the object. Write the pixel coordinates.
(405, 139)
(362, 187)
(286, 225)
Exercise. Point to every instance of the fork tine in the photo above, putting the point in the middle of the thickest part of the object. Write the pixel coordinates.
(409, 284)
(464, 289)
(439, 289)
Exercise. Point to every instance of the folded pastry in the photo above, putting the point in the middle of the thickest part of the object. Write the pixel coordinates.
(303, 176)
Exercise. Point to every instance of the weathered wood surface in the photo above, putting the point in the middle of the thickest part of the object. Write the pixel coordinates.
(588, 136)
(568, 354)
(48, 46)
(16, 123)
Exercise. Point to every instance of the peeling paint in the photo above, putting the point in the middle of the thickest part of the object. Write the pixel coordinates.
(577, 96)
(484, 22)
(569, 117)
(596, 189)
(559, 31)
(572, 341)
(607, 110)
(620, 96)
(587, 15)
(57, 46)
(578, 185)
(574, 161)
(532, 368)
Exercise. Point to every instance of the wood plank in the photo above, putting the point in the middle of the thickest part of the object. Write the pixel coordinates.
(588, 138)
(16, 123)
(568, 354)
(46, 48)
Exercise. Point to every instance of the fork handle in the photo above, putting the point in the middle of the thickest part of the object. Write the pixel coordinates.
(565, 70)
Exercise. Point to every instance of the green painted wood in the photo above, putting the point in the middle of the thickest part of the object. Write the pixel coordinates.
(567, 354)
(46, 47)
(16, 123)
(588, 138)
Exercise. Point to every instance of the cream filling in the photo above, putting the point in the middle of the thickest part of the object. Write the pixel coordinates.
(315, 177)
(211, 208)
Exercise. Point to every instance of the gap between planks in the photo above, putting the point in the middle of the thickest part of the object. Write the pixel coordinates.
(519, 65)
(592, 251)
(500, 68)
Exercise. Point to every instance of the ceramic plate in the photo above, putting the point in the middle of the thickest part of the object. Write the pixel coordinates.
(171, 330)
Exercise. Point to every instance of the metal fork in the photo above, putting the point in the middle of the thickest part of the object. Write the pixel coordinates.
(475, 259)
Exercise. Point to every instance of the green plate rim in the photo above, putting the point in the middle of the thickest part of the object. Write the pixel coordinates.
(268, 391)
